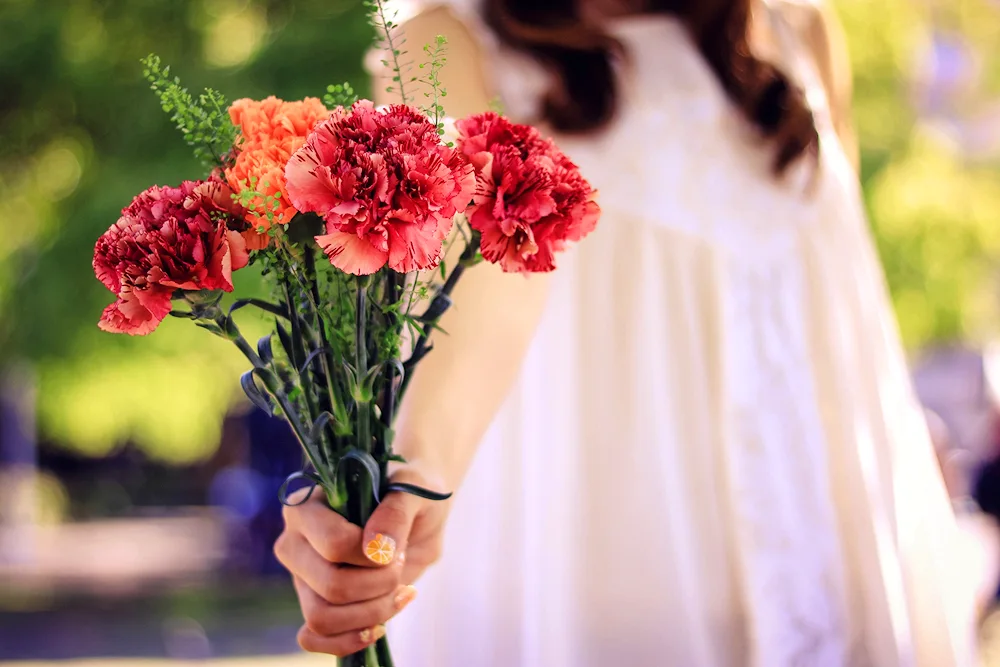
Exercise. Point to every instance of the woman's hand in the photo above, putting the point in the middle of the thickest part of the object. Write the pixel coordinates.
(349, 580)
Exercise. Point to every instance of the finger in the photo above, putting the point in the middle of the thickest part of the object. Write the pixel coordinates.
(332, 536)
(337, 584)
(388, 529)
(340, 645)
(327, 620)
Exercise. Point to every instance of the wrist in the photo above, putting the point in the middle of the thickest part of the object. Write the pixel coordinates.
(423, 469)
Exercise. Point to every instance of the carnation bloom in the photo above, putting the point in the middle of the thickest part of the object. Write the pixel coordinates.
(167, 239)
(385, 185)
(530, 199)
(271, 131)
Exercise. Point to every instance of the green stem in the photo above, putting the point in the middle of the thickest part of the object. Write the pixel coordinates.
(368, 657)
(384, 656)
(361, 364)
(296, 350)
(251, 354)
(419, 349)
(298, 354)
(323, 360)
(388, 400)
(248, 351)
(359, 497)
(385, 23)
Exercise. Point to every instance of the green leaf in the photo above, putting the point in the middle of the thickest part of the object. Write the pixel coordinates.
(316, 431)
(213, 327)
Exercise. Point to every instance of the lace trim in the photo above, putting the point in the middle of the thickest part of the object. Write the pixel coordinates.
(793, 573)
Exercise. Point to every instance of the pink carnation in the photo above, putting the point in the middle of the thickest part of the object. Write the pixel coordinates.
(384, 184)
(530, 200)
(167, 239)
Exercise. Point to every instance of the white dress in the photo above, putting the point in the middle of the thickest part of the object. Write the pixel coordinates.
(713, 456)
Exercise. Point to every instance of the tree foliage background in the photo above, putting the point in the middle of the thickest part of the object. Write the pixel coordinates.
(80, 134)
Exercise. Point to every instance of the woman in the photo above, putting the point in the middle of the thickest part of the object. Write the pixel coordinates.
(701, 445)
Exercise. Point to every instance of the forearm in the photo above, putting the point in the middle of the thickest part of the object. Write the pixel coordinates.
(460, 385)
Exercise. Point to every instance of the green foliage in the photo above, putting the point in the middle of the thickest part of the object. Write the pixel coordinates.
(80, 135)
(262, 205)
(496, 105)
(339, 95)
(432, 79)
(204, 123)
(932, 210)
(391, 41)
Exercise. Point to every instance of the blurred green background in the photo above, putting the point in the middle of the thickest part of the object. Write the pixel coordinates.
(81, 134)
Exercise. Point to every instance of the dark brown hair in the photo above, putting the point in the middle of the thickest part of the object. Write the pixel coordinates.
(582, 55)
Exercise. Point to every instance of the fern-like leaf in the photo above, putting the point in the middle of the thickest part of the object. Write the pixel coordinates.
(391, 41)
(435, 63)
(204, 122)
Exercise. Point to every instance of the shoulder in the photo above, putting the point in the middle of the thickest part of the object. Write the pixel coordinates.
(464, 74)
(422, 23)
(479, 69)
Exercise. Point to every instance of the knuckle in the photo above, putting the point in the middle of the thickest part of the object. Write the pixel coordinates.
(349, 644)
(306, 639)
(280, 548)
(336, 587)
(333, 544)
(379, 612)
(318, 622)
(393, 515)
(393, 578)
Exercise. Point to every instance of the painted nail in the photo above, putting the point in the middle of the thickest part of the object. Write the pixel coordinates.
(381, 549)
(370, 635)
(404, 597)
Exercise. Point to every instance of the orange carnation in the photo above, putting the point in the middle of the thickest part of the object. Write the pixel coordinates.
(272, 130)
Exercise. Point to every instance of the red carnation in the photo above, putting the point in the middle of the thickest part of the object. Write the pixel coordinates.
(167, 239)
(530, 200)
(385, 185)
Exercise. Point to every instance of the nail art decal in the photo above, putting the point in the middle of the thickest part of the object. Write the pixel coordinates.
(369, 635)
(381, 549)
(404, 597)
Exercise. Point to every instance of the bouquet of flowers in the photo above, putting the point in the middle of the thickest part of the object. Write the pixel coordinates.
(348, 210)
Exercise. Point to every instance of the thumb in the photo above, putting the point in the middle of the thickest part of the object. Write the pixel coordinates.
(388, 529)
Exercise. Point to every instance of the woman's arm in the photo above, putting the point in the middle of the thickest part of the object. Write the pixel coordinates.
(459, 386)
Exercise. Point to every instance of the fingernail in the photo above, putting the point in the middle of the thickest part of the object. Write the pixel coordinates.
(370, 635)
(381, 549)
(404, 597)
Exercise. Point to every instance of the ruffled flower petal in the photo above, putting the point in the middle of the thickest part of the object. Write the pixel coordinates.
(352, 254)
